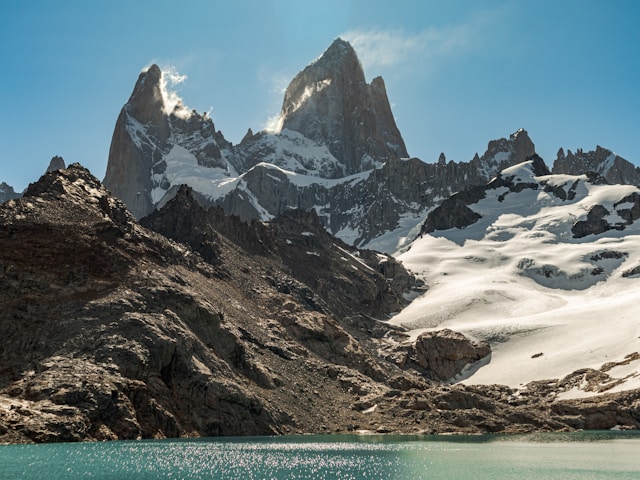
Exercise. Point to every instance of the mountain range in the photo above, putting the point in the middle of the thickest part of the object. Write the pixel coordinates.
(206, 288)
(336, 150)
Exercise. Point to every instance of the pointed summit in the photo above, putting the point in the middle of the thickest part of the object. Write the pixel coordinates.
(146, 102)
(7, 192)
(153, 126)
(330, 102)
(340, 56)
(56, 163)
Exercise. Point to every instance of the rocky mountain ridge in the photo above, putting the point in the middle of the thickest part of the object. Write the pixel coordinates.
(613, 168)
(456, 211)
(113, 331)
(337, 150)
(8, 193)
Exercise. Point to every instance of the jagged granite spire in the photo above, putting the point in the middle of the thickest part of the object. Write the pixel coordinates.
(149, 126)
(56, 163)
(602, 161)
(331, 103)
(7, 192)
(130, 162)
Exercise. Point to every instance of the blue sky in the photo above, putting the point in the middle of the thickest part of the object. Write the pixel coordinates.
(458, 73)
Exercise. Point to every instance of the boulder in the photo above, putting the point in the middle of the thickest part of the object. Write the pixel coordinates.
(443, 354)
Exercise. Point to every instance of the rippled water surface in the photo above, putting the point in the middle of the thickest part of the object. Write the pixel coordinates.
(584, 456)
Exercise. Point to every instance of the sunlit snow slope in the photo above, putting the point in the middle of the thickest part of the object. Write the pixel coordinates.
(548, 303)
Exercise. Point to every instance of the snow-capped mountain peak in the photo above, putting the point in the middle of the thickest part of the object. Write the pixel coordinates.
(152, 122)
(338, 152)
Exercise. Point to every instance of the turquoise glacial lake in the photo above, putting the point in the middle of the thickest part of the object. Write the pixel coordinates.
(560, 456)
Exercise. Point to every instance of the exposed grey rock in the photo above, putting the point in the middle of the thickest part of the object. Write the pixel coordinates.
(7, 192)
(330, 102)
(594, 224)
(145, 133)
(333, 276)
(597, 223)
(369, 207)
(111, 331)
(443, 354)
(333, 124)
(56, 163)
(613, 168)
(454, 212)
(503, 153)
(630, 213)
(247, 136)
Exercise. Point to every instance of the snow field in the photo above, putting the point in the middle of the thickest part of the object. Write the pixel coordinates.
(519, 280)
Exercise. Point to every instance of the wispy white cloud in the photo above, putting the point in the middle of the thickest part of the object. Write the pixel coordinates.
(171, 78)
(276, 83)
(382, 49)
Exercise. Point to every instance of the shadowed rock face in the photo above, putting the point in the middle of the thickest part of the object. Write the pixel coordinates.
(330, 102)
(112, 331)
(454, 212)
(342, 278)
(56, 163)
(130, 164)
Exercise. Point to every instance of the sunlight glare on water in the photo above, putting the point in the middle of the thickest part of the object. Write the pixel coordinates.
(583, 456)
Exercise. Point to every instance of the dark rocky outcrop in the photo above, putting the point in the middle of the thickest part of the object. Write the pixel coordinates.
(631, 212)
(594, 224)
(8, 193)
(597, 223)
(442, 355)
(112, 331)
(454, 212)
(339, 276)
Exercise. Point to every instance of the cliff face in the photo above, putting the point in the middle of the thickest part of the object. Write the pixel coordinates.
(331, 103)
(148, 129)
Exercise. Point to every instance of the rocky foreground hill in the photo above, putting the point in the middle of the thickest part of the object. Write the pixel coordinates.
(113, 331)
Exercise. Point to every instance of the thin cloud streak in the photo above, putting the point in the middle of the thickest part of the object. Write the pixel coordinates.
(383, 49)
(172, 101)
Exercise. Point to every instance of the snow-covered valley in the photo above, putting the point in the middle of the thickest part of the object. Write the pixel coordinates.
(548, 303)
